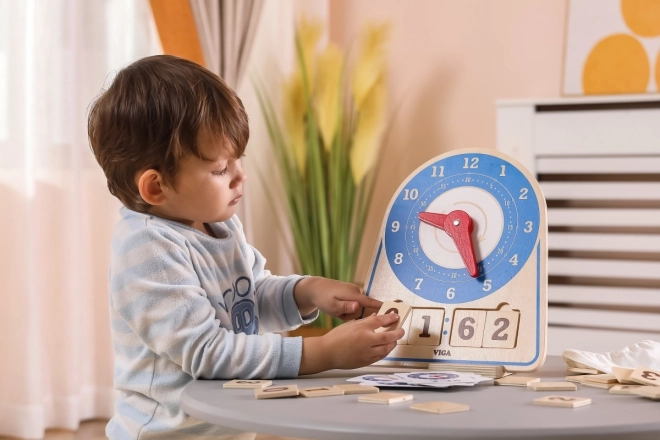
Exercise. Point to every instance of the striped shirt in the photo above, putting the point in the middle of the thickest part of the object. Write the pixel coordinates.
(185, 305)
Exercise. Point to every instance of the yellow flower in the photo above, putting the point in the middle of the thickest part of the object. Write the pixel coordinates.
(327, 92)
(370, 63)
(369, 130)
(294, 119)
(308, 34)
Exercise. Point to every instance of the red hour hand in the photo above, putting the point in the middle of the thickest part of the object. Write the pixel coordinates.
(458, 225)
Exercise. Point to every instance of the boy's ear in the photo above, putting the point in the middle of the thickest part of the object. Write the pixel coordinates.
(151, 187)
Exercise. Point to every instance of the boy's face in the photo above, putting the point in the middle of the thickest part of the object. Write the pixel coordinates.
(205, 191)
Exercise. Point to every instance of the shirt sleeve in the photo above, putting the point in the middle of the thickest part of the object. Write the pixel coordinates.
(155, 289)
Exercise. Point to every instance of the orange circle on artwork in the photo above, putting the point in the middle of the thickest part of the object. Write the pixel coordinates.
(616, 64)
(657, 71)
(642, 16)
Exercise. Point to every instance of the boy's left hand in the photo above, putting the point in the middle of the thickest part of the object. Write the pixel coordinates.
(336, 298)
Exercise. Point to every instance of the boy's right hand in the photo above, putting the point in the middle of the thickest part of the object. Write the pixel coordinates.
(350, 345)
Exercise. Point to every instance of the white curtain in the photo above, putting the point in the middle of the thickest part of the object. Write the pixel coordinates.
(56, 215)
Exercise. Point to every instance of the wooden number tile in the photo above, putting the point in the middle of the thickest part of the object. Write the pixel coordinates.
(356, 388)
(516, 381)
(399, 308)
(622, 374)
(577, 378)
(646, 376)
(385, 398)
(501, 329)
(426, 327)
(562, 401)
(276, 391)
(650, 392)
(601, 385)
(552, 386)
(406, 328)
(468, 328)
(624, 389)
(583, 370)
(321, 392)
(440, 407)
(244, 383)
(600, 378)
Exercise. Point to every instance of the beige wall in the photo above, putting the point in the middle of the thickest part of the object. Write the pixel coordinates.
(449, 61)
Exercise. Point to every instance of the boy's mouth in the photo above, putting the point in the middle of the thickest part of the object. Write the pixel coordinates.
(235, 201)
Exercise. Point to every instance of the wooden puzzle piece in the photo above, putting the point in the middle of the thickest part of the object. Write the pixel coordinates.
(575, 379)
(440, 407)
(321, 392)
(552, 386)
(468, 328)
(622, 374)
(356, 388)
(650, 392)
(399, 308)
(426, 326)
(385, 398)
(601, 385)
(516, 381)
(624, 389)
(501, 329)
(562, 401)
(600, 378)
(245, 383)
(646, 376)
(274, 392)
(583, 370)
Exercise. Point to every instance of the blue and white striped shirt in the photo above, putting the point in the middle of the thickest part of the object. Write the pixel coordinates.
(185, 305)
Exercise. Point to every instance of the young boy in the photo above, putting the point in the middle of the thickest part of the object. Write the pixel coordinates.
(189, 297)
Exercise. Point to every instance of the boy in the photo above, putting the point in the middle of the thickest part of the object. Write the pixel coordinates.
(189, 297)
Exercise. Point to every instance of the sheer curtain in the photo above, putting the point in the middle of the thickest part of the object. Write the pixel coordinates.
(56, 215)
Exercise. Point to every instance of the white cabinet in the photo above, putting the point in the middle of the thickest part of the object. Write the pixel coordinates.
(598, 162)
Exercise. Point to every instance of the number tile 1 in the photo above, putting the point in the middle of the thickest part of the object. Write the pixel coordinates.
(468, 328)
(646, 376)
(426, 326)
(276, 391)
(399, 308)
(321, 392)
(440, 407)
(245, 383)
(562, 401)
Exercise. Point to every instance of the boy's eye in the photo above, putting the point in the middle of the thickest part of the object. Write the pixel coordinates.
(221, 173)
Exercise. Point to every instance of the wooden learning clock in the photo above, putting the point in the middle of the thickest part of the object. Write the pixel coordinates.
(464, 242)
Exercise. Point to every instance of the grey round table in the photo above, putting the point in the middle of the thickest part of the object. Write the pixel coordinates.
(496, 412)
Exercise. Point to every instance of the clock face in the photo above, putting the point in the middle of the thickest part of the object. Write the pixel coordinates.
(505, 213)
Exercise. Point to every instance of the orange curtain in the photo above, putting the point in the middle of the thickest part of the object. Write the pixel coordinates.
(176, 29)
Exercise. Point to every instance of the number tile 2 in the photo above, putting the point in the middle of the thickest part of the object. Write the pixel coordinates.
(646, 376)
(425, 327)
(501, 329)
(562, 401)
(468, 328)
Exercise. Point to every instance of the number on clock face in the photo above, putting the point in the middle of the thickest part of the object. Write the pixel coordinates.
(502, 206)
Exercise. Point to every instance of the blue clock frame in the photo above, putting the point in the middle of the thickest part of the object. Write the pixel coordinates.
(518, 203)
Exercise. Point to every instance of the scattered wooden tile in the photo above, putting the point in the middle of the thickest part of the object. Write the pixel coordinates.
(245, 383)
(516, 381)
(601, 385)
(624, 389)
(583, 370)
(276, 391)
(562, 401)
(575, 379)
(622, 374)
(385, 398)
(552, 386)
(440, 407)
(600, 378)
(321, 392)
(646, 376)
(356, 388)
(399, 308)
(649, 392)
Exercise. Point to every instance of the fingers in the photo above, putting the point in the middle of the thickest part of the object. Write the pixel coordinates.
(374, 322)
(389, 337)
(368, 302)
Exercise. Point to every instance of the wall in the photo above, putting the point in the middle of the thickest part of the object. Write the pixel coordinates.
(449, 61)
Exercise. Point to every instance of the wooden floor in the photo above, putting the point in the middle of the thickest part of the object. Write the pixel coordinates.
(95, 430)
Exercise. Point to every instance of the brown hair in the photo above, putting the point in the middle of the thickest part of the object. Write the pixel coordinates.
(150, 116)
